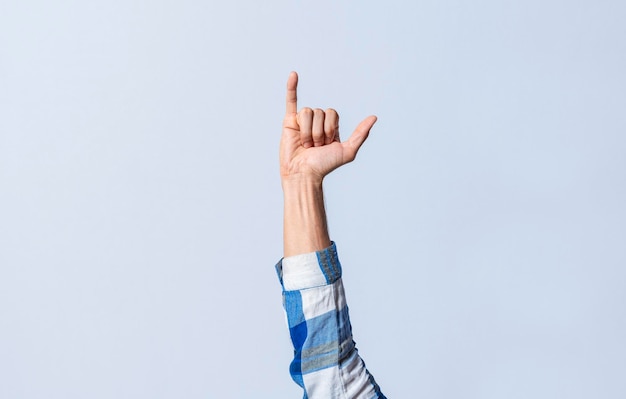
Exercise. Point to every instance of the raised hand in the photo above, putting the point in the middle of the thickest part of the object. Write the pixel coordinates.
(310, 147)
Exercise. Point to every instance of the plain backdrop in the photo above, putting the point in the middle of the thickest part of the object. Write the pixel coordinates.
(482, 228)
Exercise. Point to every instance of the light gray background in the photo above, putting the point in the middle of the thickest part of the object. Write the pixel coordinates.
(481, 229)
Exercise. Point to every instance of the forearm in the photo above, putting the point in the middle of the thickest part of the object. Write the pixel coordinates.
(305, 227)
(326, 363)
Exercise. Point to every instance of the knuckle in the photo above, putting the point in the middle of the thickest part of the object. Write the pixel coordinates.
(306, 111)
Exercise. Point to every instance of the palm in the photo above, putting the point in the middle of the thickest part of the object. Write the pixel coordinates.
(315, 161)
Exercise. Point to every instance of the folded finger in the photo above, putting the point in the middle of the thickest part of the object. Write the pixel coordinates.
(305, 121)
(331, 126)
(317, 131)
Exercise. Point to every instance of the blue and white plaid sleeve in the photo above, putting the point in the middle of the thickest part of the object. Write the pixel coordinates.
(326, 363)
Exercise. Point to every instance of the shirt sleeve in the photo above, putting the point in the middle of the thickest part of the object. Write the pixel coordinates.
(326, 362)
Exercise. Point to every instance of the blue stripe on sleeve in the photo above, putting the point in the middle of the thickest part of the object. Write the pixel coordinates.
(297, 330)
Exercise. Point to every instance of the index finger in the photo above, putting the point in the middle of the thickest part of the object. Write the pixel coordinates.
(292, 95)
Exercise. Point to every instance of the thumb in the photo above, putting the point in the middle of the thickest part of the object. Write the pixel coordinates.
(358, 137)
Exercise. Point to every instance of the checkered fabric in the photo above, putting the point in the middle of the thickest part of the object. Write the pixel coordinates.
(326, 363)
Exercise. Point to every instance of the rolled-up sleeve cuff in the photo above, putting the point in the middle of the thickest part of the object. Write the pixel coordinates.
(309, 270)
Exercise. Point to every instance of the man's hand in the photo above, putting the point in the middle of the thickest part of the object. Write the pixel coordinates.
(309, 150)
(310, 147)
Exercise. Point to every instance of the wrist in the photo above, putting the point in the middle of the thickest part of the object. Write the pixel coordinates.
(301, 183)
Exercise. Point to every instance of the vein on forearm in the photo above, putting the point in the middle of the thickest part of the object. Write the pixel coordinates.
(305, 226)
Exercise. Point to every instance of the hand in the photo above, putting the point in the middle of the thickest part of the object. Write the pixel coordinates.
(310, 147)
